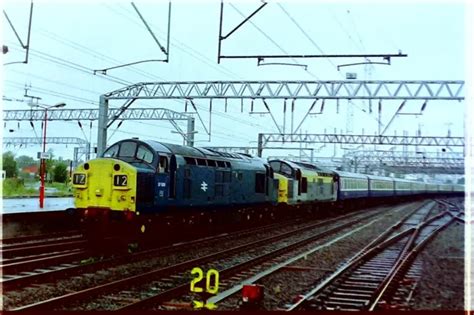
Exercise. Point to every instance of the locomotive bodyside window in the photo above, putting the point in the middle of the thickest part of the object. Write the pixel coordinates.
(212, 163)
(201, 162)
(190, 161)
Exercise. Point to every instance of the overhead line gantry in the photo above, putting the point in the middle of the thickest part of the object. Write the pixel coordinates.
(284, 90)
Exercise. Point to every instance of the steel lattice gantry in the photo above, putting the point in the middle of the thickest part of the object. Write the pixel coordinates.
(264, 138)
(93, 114)
(399, 161)
(345, 89)
(49, 140)
(112, 115)
(313, 90)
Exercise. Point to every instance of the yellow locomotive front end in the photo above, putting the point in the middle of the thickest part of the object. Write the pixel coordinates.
(105, 185)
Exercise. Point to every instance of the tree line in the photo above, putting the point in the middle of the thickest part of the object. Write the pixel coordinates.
(56, 169)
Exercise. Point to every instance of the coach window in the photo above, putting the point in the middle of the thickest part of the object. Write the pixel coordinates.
(163, 167)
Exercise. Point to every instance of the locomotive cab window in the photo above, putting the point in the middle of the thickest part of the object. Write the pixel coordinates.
(286, 170)
(144, 154)
(112, 151)
(275, 166)
(128, 149)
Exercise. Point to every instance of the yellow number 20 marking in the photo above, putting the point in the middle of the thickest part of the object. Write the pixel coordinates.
(196, 280)
(212, 289)
(211, 273)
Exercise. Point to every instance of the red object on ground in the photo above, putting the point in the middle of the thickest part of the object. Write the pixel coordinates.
(252, 293)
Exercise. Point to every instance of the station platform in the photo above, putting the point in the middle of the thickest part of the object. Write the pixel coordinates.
(24, 205)
(23, 216)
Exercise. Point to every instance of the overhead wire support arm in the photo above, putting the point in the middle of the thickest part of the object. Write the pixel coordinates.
(163, 49)
(271, 115)
(368, 62)
(122, 109)
(104, 71)
(385, 56)
(261, 60)
(149, 29)
(27, 46)
(221, 38)
(199, 116)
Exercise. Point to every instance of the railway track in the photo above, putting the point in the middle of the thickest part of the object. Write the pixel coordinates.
(289, 259)
(371, 279)
(22, 254)
(27, 247)
(20, 240)
(69, 264)
(173, 279)
(454, 209)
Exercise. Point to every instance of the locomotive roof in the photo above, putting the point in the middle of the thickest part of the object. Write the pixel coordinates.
(313, 167)
(172, 148)
(192, 151)
(305, 166)
(351, 175)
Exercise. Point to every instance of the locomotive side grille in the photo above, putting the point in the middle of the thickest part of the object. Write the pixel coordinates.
(290, 189)
(145, 184)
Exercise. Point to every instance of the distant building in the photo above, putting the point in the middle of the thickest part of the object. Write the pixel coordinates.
(30, 170)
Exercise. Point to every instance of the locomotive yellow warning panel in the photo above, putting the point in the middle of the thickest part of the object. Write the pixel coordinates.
(105, 183)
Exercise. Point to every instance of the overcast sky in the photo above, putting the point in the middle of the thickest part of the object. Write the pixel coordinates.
(68, 41)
